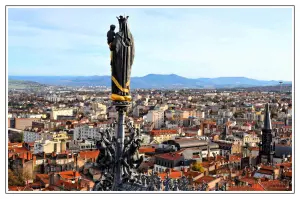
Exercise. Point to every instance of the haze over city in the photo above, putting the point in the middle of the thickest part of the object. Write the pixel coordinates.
(190, 42)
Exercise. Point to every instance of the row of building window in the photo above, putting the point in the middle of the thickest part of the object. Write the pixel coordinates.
(87, 147)
(166, 164)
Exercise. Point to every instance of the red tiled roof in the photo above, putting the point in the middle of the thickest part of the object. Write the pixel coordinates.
(288, 174)
(248, 180)
(23, 155)
(89, 154)
(192, 173)
(285, 164)
(241, 188)
(40, 175)
(174, 175)
(273, 185)
(263, 171)
(43, 177)
(163, 132)
(14, 144)
(169, 156)
(234, 158)
(21, 150)
(146, 149)
(266, 167)
(14, 188)
(205, 179)
(257, 187)
(69, 174)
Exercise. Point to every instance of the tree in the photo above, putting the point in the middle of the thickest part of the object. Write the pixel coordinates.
(15, 178)
(26, 176)
(198, 167)
(16, 137)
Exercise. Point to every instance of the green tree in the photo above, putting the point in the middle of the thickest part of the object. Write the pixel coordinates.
(198, 167)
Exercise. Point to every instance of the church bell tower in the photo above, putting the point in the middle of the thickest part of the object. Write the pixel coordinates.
(267, 148)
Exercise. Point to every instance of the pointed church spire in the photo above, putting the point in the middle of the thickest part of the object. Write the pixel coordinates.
(267, 119)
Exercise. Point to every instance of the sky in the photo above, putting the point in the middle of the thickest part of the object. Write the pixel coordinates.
(191, 42)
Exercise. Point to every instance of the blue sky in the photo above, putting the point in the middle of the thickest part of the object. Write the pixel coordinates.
(191, 42)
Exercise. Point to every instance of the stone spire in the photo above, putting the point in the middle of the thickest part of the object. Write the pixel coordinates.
(224, 133)
(266, 149)
(267, 119)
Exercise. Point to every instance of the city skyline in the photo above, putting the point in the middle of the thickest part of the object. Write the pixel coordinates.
(230, 42)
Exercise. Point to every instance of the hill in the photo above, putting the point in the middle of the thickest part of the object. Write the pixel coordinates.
(151, 81)
(23, 85)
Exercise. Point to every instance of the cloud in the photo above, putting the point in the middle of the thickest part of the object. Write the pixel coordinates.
(188, 42)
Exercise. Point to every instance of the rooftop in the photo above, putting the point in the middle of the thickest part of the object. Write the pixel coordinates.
(170, 156)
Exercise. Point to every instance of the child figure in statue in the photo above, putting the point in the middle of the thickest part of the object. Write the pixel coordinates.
(110, 38)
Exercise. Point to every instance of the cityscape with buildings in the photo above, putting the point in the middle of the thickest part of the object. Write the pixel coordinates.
(229, 140)
(162, 99)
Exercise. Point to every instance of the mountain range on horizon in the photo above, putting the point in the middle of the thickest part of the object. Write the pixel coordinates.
(152, 81)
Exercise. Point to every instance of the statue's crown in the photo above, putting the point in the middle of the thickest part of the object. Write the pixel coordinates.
(122, 18)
